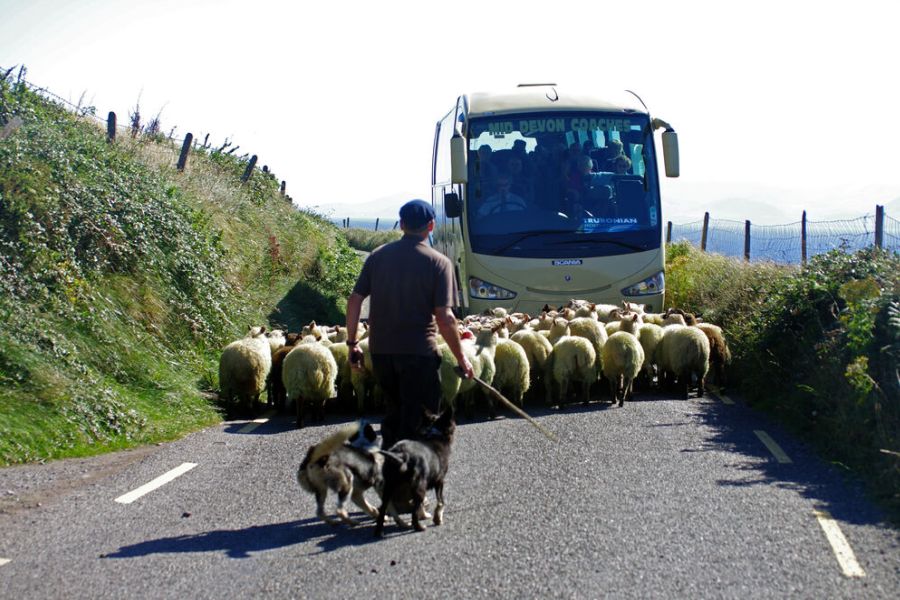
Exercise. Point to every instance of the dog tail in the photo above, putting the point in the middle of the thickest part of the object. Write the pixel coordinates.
(399, 459)
(331, 443)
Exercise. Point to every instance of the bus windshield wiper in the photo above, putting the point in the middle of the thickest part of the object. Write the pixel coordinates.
(525, 236)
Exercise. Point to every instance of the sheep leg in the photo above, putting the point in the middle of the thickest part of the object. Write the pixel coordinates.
(299, 403)
(701, 385)
(628, 391)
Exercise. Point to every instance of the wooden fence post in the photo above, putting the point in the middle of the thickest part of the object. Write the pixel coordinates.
(348, 222)
(879, 226)
(249, 170)
(185, 148)
(395, 224)
(747, 241)
(376, 223)
(111, 127)
(283, 187)
(669, 233)
(803, 239)
(705, 232)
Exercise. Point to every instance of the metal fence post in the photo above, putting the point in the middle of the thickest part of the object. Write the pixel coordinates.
(376, 223)
(879, 226)
(747, 241)
(803, 239)
(705, 232)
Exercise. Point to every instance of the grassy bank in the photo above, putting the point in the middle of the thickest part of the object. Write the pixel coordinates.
(817, 347)
(121, 279)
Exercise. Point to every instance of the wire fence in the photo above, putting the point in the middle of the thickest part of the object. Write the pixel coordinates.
(137, 126)
(792, 242)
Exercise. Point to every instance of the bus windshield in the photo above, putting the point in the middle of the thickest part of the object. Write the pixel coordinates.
(562, 184)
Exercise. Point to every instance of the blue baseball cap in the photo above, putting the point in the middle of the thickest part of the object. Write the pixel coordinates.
(416, 214)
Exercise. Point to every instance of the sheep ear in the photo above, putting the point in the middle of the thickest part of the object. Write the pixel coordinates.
(634, 318)
(262, 329)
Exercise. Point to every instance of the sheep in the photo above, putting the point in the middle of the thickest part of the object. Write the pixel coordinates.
(481, 354)
(683, 352)
(309, 373)
(649, 336)
(558, 329)
(622, 359)
(276, 339)
(344, 383)
(573, 360)
(590, 329)
(537, 350)
(588, 310)
(243, 368)
(512, 373)
(719, 354)
(275, 392)
(363, 379)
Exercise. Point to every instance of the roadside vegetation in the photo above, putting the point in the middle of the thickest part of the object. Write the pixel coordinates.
(367, 240)
(817, 347)
(121, 279)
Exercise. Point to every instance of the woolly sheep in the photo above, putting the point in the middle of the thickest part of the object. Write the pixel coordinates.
(363, 380)
(558, 329)
(573, 360)
(537, 349)
(682, 353)
(622, 358)
(243, 368)
(344, 382)
(275, 391)
(481, 354)
(719, 354)
(649, 337)
(309, 374)
(512, 374)
(276, 339)
(590, 329)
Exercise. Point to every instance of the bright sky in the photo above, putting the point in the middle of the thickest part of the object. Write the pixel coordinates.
(340, 99)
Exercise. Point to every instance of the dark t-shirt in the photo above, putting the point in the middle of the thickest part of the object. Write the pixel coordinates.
(406, 280)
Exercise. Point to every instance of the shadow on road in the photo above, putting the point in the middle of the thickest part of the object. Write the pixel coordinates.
(807, 474)
(242, 543)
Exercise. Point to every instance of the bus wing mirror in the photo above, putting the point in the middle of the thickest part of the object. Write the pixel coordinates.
(459, 173)
(452, 205)
(670, 153)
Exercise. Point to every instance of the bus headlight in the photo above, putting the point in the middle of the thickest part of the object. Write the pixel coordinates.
(651, 285)
(479, 288)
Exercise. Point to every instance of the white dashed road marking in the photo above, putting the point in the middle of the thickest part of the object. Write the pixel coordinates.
(773, 447)
(839, 544)
(256, 422)
(4, 561)
(156, 483)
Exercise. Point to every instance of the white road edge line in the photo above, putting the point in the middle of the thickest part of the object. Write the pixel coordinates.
(4, 561)
(842, 550)
(773, 447)
(256, 422)
(156, 483)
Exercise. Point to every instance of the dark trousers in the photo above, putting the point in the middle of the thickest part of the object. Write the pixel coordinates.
(411, 384)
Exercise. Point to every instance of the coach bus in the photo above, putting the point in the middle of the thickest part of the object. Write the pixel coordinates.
(541, 197)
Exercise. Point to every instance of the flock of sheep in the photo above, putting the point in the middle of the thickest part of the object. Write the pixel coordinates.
(566, 352)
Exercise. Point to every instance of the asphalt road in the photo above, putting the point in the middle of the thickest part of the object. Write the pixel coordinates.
(659, 499)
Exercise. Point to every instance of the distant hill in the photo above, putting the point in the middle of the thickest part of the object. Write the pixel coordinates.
(686, 202)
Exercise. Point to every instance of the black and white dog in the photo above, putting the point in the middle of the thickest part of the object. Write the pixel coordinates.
(412, 467)
(347, 462)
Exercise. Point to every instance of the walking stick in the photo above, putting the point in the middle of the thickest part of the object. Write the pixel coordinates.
(493, 392)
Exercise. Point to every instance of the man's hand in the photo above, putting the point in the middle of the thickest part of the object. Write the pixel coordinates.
(465, 370)
(356, 358)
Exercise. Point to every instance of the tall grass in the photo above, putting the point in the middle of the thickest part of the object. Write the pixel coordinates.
(817, 346)
(121, 279)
